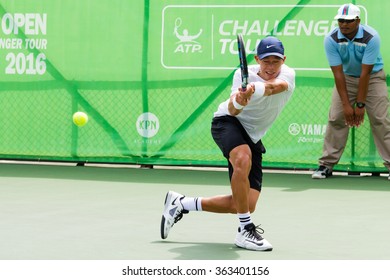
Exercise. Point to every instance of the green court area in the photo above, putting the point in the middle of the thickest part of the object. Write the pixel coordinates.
(64, 212)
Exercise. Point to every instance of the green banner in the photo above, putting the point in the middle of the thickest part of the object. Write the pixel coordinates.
(150, 74)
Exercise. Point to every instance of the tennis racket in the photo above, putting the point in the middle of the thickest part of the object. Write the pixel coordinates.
(243, 63)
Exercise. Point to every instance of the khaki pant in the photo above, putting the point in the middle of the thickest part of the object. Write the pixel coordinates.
(377, 108)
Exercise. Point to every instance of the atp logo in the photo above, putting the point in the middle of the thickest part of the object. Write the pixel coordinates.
(187, 43)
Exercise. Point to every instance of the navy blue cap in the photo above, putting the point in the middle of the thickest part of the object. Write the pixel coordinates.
(270, 46)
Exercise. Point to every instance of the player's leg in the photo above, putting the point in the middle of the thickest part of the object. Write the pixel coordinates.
(232, 139)
(223, 130)
(241, 160)
(226, 204)
(249, 235)
(236, 147)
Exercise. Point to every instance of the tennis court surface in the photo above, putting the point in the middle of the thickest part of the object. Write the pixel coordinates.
(64, 212)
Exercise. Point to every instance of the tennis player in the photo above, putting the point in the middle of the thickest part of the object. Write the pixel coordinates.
(237, 127)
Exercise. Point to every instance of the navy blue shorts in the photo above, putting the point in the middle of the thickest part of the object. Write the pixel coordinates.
(228, 133)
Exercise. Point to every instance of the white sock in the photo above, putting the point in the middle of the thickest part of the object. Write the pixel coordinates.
(192, 203)
(245, 219)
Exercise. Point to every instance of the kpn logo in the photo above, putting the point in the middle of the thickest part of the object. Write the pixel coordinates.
(147, 125)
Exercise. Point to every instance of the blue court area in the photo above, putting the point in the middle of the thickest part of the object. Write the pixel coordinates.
(64, 212)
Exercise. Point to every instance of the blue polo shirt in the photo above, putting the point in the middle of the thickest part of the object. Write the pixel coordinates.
(364, 48)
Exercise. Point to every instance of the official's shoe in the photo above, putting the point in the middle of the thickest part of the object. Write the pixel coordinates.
(250, 238)
(322, 172)
(173, 212)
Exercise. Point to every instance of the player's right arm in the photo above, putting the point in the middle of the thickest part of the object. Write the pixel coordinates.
(240, 99)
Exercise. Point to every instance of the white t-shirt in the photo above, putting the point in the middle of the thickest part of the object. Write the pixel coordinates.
(261, 112)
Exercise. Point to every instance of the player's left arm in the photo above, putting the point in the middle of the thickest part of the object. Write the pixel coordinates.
(275, 86)
(284, 82)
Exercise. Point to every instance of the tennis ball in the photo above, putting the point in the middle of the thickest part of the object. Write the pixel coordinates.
(80, 118)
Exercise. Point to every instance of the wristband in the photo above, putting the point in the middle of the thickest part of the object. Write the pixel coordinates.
(236, 104)
(259, 89)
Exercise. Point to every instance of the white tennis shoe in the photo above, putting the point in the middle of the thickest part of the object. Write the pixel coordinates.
(173, 212)
(250, 238)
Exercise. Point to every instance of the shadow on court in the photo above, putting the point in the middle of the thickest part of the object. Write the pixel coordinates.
(201, 250)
